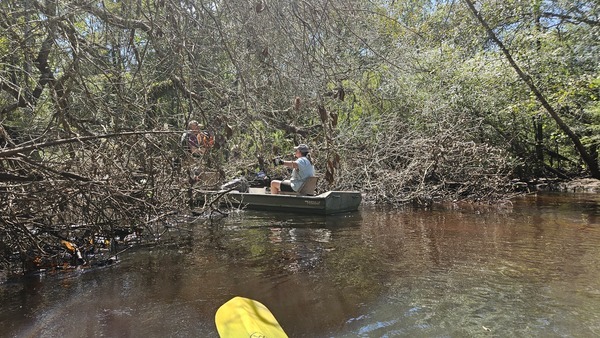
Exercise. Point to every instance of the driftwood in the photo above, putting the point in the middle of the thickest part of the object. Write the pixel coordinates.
(81, 200)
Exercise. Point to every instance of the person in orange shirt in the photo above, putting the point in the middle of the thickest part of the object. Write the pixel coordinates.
(198, 141)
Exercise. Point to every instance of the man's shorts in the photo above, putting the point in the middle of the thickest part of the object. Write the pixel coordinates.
(286, 186)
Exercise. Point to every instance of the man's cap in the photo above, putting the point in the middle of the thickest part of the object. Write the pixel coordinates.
(303, 148)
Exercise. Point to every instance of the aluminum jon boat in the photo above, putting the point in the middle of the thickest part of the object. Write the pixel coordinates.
(327, 203)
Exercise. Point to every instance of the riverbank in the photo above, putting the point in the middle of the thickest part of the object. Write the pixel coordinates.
(585, 185)
(580, 185)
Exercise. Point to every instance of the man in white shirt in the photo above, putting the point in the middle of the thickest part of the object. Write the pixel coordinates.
(302, 169)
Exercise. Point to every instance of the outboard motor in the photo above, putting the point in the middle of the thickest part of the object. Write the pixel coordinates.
(239, 184)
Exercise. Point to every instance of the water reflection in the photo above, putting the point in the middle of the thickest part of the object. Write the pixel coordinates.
(530, 268)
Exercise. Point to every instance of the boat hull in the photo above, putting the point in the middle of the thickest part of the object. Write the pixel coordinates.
(331, 202)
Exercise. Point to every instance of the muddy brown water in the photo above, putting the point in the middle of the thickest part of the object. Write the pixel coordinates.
(526, 269)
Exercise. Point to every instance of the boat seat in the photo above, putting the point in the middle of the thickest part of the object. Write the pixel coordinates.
(307, 189)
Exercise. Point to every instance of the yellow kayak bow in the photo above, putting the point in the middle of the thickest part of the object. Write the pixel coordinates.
(243, 317)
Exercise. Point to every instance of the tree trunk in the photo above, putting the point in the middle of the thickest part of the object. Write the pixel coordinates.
(587, 158)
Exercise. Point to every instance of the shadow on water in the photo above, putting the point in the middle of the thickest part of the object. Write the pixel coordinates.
(528, 268)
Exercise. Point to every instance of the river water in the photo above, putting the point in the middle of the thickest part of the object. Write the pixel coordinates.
(530, 268)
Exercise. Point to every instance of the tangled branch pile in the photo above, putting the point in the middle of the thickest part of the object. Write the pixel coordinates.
(84, 200)
(398, 163)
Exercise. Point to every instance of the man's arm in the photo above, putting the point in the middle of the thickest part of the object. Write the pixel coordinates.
(291, 164)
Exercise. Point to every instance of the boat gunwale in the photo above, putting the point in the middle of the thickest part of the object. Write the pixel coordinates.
(322, 208)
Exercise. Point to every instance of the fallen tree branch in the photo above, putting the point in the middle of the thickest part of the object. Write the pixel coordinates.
(13, 151)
